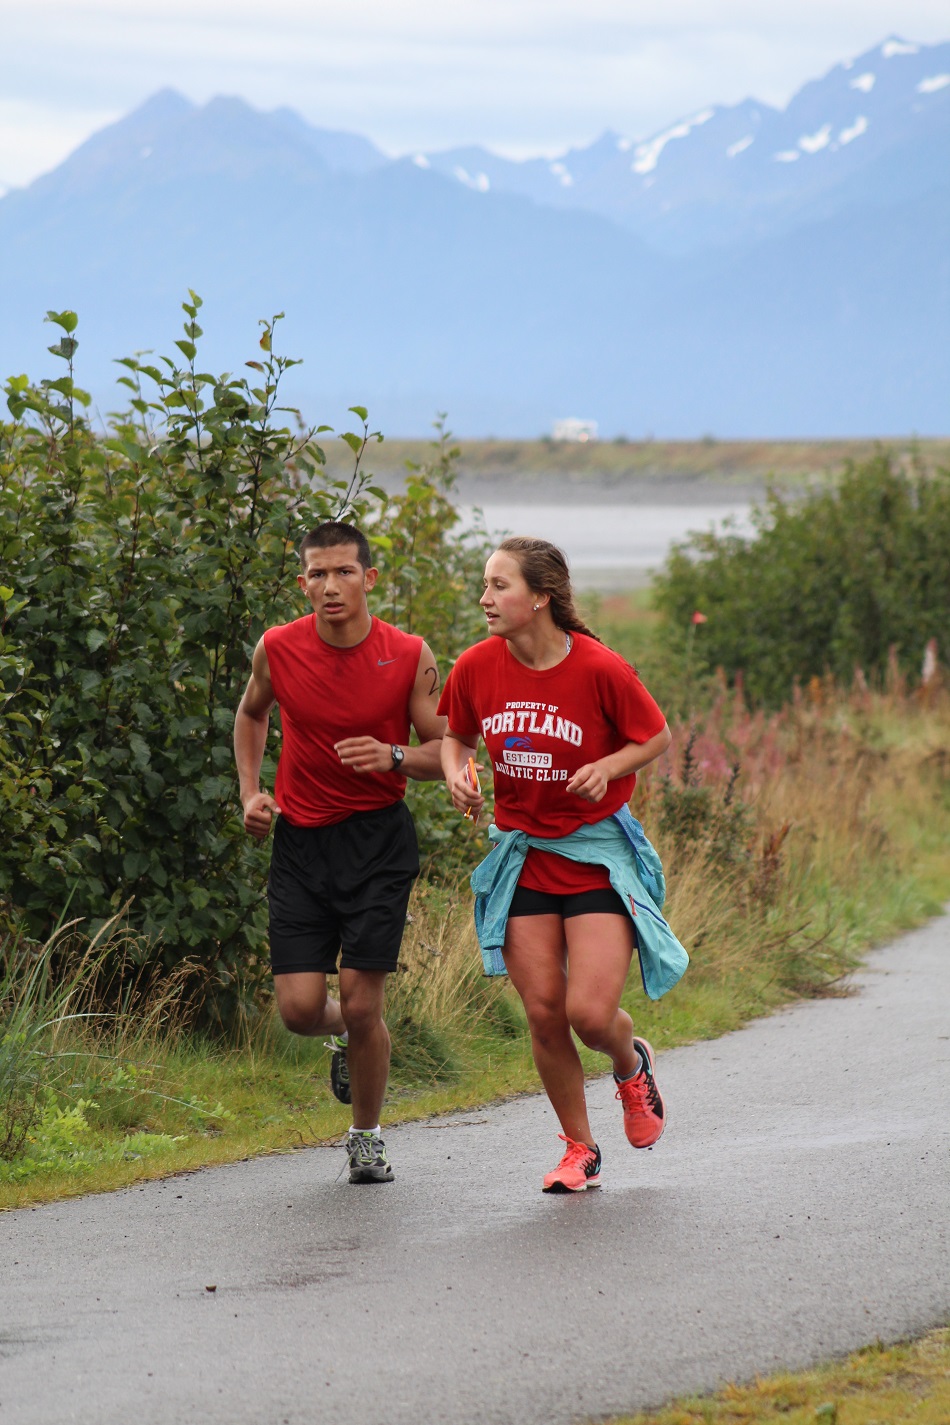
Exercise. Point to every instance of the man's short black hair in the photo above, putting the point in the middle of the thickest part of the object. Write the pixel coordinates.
(333, 533)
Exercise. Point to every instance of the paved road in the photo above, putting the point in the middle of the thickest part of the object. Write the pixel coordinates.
(797, 1207)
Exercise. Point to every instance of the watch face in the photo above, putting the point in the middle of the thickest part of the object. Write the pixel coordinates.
(398, 756)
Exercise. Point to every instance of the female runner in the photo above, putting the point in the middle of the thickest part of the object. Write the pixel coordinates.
(567, 725)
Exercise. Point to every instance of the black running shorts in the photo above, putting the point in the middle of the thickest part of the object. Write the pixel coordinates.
(342, 887)
(603, 901)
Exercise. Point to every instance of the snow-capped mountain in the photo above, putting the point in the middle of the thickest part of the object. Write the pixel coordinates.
(725, 174)
(744, 271)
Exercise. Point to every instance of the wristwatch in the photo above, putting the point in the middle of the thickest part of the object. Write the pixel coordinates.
(398, 758)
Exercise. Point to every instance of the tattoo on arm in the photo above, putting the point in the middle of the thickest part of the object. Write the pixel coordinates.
(434, 686)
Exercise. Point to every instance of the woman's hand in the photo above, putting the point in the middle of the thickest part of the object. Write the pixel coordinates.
(457, 755)
(589, 782)
(464, 796)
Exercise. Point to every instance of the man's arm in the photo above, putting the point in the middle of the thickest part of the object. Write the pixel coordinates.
(250, 739)
(422, 763)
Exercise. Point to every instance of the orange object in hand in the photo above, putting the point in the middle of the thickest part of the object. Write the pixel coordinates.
(471, 776)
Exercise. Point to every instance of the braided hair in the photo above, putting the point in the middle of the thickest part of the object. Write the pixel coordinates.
(544, 569)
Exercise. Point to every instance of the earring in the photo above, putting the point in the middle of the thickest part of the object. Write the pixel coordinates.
(536, 607)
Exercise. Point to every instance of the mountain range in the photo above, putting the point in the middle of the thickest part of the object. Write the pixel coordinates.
(746, 271)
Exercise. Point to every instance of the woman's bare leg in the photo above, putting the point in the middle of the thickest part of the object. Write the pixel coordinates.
(599, 951)
(535, 956)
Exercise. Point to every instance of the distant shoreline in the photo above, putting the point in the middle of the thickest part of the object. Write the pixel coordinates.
(635, 472)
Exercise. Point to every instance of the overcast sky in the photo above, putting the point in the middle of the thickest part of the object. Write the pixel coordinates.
(522, 76)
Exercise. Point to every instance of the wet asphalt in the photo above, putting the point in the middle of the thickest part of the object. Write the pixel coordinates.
(797, 1207)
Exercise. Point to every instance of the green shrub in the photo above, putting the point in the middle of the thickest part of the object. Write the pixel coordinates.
(138, 568)
(829, 584)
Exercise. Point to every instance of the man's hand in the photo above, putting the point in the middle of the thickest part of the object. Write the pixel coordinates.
(259, 812)
(589, 782)
(365, 754)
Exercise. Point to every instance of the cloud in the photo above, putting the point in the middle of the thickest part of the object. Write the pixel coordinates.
(35, 137)
(530, 76)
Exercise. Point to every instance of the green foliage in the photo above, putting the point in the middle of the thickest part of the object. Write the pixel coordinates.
(62, 1140)
(830, 583)
(138, 568)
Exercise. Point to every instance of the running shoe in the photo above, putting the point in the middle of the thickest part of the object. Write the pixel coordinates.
(367, 1154)
(644, 1112)
(339, 1068)
(577, 1171)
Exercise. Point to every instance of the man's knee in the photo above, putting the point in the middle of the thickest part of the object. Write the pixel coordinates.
(301, 1007)
(361, 1004)
(298, 1019)
(361, 1017)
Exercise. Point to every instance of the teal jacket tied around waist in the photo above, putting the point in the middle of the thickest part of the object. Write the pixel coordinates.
(619, 843)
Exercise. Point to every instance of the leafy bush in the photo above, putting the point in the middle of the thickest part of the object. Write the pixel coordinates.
(829, 584)
(138, 568)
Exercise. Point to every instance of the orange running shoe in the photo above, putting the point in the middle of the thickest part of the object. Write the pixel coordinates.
(578, 1170)
(644, 1112)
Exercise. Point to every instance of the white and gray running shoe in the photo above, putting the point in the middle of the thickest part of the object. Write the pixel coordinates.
(367, 1154)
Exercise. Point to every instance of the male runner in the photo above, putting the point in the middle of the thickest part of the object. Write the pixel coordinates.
(345, 853)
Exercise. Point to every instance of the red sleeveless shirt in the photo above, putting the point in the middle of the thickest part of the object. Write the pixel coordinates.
(326, 694)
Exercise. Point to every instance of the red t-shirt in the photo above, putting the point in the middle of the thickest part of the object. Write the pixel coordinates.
(539, 728)
(326, 694)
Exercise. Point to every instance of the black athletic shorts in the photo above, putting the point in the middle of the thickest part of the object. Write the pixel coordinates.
(342, 887)
(603, 901)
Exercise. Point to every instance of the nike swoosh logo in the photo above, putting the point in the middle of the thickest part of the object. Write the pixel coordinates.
(381, 662)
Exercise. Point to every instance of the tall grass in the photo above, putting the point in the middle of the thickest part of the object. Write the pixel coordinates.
(84, 1027)
(794, 840)
(40, 1009)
